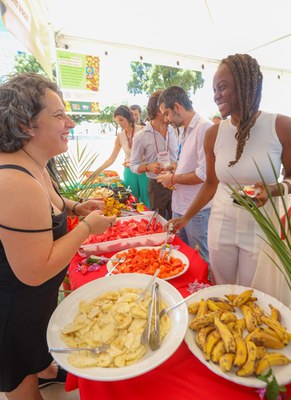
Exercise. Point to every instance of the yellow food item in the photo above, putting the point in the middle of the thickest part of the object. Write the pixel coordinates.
(113, 318)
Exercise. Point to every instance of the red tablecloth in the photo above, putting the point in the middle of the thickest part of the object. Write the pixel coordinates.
(181, 377)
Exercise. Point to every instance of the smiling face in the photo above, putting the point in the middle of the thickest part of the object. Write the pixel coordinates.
(52, 126)
(225, 93)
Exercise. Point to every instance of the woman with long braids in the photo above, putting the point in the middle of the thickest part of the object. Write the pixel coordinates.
(245, 136)
(137, 182)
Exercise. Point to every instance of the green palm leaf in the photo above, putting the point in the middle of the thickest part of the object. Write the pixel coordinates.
(282, 248)
(71, 173)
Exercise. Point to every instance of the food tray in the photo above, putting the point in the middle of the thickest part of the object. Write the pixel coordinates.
(154, 239)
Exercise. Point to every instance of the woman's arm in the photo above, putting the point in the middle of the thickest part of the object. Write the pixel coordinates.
(110, 160)
(33, 256)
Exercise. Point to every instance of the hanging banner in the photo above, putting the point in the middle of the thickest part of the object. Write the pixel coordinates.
(81, 107)
(78, 79)
(27, 20)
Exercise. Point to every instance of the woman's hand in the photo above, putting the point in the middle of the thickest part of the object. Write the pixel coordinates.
(99, 223)
(261, 198)
(88, 206)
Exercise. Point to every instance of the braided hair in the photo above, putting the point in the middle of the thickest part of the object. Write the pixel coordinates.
(248, 79)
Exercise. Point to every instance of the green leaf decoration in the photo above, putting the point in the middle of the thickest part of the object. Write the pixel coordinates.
(282, 248)
(71, 171)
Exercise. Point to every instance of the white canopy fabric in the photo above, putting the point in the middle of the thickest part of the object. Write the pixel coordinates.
(190, 32)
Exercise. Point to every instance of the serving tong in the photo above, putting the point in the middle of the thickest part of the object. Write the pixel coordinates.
(151, 219)
(155, 338)
(164, 246)
(141, 297)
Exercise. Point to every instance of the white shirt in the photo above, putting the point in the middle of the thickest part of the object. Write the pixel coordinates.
(191, 159)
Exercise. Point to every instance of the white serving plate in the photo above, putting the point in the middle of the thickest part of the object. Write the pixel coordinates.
(68, 309)
(175, 253)
(154, 239)
(282, 373)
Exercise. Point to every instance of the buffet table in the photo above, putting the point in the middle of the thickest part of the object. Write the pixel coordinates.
(182, 376)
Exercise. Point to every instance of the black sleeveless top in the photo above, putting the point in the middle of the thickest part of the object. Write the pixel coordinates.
(25, 312)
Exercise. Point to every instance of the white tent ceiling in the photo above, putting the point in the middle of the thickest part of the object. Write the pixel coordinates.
(192, 32)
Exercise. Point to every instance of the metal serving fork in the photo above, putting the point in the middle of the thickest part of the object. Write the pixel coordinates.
(121, 260)
(96, 350)
(166, 310)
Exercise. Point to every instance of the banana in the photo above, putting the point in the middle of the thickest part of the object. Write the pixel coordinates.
(226, 335)
(201, 335)
(243, 298)
(240, 326)
(194, 307)
(269, 360)
(257, 310)
(203, 309)
(226, 361)
(231, 326)
(275, 313)
(277, 327)
(250, 318)
(249, 367)
(231, 297)
(223, 304)
(241, 351)
(212, 305)
(251, 334)
(261, 351)
(210, 342)
(227, 317)
(201, 322)
(261, 338)
(218, 350)
(270, 331)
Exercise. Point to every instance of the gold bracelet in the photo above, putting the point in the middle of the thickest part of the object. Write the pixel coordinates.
(88, 225)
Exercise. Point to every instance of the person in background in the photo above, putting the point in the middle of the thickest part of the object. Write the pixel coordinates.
(155, 150)
(136, 113)
(35, 247)
(190, 172)
(232, 147)
(216, 119)
(138, 182)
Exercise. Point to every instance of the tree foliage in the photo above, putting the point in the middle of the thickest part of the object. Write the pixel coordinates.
(147, 78)
(25, 62)
(106, 117)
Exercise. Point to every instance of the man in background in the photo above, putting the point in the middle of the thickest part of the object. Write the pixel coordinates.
(190, 172)
(136, 113)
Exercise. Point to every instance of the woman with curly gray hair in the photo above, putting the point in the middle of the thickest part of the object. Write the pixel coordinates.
(35, 247)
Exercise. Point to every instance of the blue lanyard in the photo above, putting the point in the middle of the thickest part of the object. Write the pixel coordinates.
(181, 144)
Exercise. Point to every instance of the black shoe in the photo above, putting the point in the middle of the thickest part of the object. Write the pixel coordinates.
(60, 378)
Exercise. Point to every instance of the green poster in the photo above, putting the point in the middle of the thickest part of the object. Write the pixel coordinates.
(78, 71)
